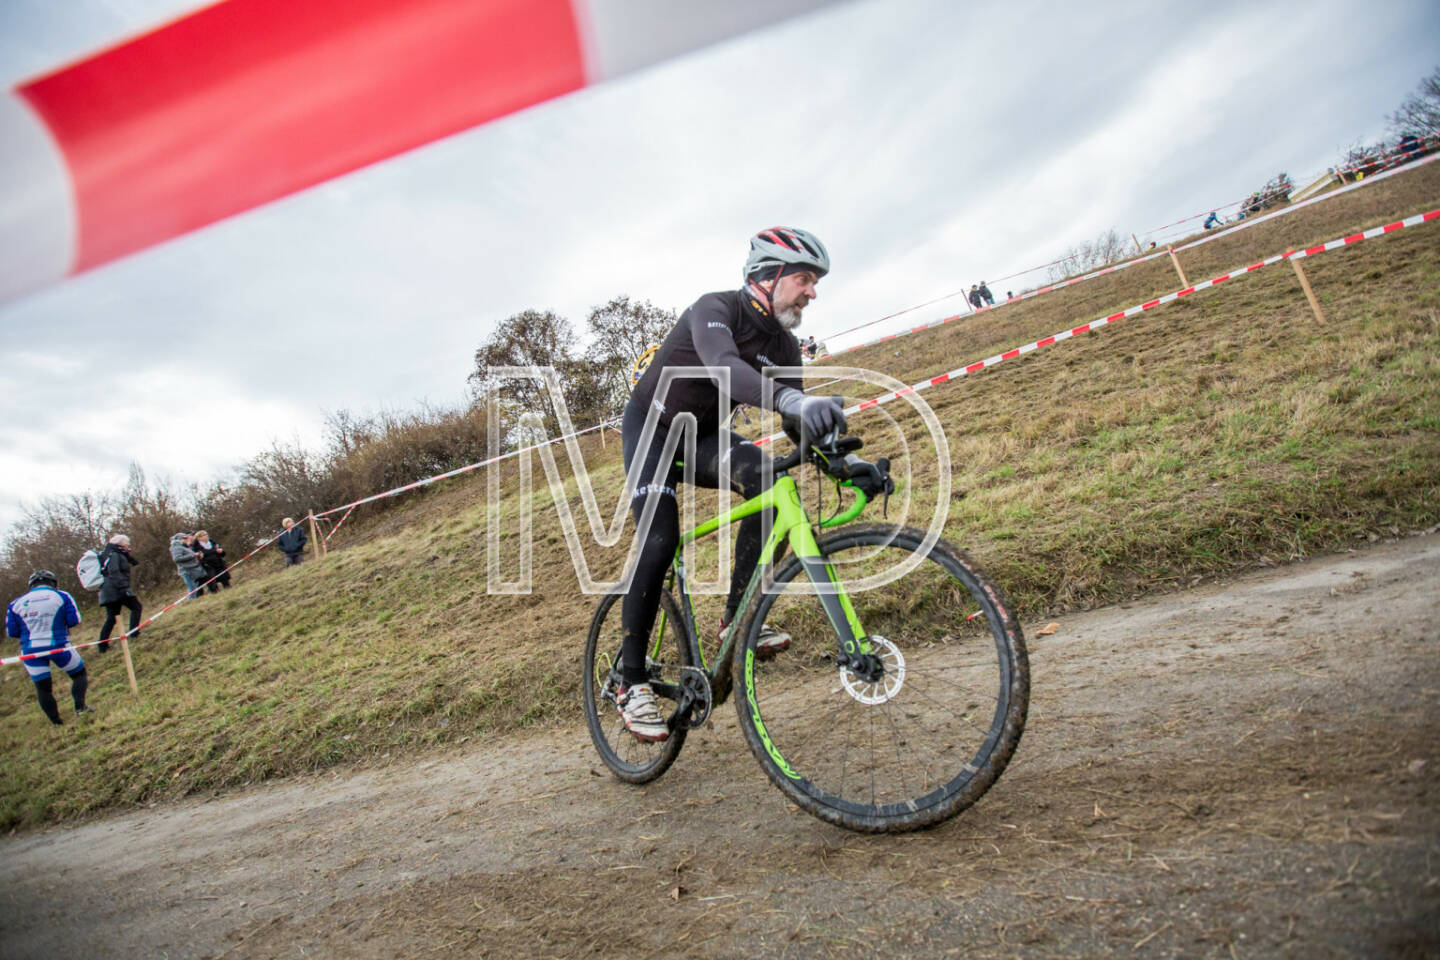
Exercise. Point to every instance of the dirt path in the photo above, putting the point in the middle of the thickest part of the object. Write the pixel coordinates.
(1244, 769)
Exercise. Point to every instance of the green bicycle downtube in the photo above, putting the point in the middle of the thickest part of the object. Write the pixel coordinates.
(834, 601)
(659, 635)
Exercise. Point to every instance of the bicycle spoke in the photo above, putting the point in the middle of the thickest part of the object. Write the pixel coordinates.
(931, 674)
(903, 750)
(627, 757)
(898, 742)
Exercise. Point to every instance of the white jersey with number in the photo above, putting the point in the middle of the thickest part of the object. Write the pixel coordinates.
(41, 619)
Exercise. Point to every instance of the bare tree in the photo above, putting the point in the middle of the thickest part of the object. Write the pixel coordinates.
(1419, 113)
(1359, 154)
(539, 339)
(346, 432)
(1107, 247)
(530, 338)
(52, 534)
(621, 331)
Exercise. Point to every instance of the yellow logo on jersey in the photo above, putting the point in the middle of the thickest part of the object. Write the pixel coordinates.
(643, 364)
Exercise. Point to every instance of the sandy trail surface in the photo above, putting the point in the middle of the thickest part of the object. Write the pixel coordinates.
(1246, 768)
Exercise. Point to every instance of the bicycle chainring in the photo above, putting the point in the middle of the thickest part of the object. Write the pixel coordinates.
(695, 684)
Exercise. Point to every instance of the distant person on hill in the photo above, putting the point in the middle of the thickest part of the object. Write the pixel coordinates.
(212, 558)
(115, 564)
(41, 620)
(1009, 296)
(1212, 221)
(292, 542)
(187, 562)
(985, 292)
(808, 346)
(974, 296)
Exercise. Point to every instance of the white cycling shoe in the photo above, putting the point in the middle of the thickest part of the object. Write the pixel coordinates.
(641, 713)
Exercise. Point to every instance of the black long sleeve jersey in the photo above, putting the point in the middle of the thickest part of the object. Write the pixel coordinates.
(720, 331)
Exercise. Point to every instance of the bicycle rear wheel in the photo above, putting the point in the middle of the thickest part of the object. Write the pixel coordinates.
(629, 759)
(925, 736)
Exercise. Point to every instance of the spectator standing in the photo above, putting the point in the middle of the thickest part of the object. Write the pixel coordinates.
(974, 297)
(41, 619)
(1009, 296)
(187, 562)
(292, 542)
(212, 558)
(985, 292)
(115, 563)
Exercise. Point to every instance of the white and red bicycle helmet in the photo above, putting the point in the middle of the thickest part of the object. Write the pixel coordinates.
(786, 246)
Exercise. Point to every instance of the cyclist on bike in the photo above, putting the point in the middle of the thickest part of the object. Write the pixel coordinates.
(744, 332)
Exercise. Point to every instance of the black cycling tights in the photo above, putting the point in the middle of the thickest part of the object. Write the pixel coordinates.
(747, 477)
(44, 692)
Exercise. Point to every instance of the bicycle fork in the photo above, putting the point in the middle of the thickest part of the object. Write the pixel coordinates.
(853, 650)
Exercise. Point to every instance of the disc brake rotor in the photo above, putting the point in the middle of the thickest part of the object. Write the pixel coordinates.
(890, 681)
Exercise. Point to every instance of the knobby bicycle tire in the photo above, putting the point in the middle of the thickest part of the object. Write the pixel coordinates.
(926, 739)
(630, 759)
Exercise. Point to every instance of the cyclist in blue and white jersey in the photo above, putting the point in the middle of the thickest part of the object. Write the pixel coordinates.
(41, 620)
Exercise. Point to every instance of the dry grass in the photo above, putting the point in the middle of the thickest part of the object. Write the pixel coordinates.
(1224, 430)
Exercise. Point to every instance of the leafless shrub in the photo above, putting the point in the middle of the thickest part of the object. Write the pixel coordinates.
(1107, 247)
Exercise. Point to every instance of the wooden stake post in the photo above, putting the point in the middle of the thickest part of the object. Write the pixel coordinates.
(314, 535)
(1305, 285)
(1176, 260)
(129, 665)
(1138, 249)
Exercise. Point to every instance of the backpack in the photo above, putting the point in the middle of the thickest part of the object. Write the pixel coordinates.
(87, 569)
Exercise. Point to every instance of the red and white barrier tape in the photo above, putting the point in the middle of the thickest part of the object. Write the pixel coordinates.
(1389, 159)
(245, 101)
(1249, 222)
(1024, 296)
(954, 374)
(336, 529)
(935, 381)
(5, 661)
(1228, 228)
(1093, 325)
(466, 469)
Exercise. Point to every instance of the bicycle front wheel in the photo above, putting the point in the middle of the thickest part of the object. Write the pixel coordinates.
(667, 657)
(933, 719)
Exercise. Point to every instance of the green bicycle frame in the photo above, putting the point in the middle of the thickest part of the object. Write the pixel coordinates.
(791, 524)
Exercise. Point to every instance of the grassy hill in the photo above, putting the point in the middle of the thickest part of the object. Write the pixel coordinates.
(1224, 430)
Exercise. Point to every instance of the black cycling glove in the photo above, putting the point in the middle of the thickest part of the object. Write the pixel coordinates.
(820, 415)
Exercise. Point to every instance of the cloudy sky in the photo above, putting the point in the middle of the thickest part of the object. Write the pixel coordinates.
(929, 143)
